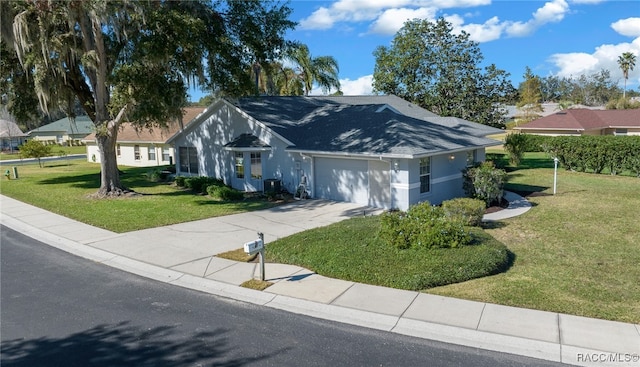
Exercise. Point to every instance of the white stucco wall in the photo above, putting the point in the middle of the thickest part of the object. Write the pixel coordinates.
(222, 125)
(127, 154)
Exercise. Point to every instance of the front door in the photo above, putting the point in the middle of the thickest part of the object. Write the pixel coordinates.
(247, 171)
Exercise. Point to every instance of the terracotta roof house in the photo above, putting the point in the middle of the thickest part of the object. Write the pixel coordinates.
(143, 147)
(11, 137)
(586, 122)
(64, 130)
(380, 151)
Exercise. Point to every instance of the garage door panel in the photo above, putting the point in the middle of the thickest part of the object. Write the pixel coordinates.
(342, 180)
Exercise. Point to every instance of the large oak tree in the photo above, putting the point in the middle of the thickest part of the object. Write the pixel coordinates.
(431, 66)
(133, 60)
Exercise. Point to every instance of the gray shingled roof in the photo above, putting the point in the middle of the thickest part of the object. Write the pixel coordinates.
(364, 125)
(9, 129)
(81, 125)
(247, 141)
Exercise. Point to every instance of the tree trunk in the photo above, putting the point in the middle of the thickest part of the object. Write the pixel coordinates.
(109, 174)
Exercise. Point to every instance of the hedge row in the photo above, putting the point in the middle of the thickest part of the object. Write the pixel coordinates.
(596, 153)
(215, 187)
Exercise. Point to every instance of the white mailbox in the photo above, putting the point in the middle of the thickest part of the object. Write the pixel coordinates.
(253, 247)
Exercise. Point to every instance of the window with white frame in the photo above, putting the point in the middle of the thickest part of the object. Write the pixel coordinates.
(166, 154)
(188, 159)
(425, 175)
(152, 153)
(136, 152)
(239, 163)
(256, 166)
(118, 152)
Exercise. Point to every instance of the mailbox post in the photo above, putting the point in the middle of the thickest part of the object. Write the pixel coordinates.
(254, 247)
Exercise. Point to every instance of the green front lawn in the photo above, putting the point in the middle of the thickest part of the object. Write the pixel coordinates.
(351, 250)
(65, 187)
(576, 252)
(56, 150)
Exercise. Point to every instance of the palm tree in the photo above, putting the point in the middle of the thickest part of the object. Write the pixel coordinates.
(626, 61)
(322, 70)
(274, 79)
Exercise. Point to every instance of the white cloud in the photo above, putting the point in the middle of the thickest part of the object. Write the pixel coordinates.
(388, 15)
(488, 31)
(603, 57)
(359, 87)
(320, 19)
(627, 27)
(391, 20)
(551, 12)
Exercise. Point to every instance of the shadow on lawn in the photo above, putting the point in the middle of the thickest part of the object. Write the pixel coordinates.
(85, 181)
(527, 190)
(125, 345)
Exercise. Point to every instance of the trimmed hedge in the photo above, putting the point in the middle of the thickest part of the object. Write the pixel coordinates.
(596, 153)
(466, 210)
(422, 226)
(225, 193)
(199, 184)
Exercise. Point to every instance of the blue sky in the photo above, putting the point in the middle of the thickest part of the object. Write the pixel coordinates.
(554, 37)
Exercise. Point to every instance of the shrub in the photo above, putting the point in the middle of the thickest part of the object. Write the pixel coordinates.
(225, 193)
(596, 153)
(180, 181)
(35, 149)
(422, 226)
(515, 144)
(199, 184)
(484, 182)
(154, 175)
(466, 210)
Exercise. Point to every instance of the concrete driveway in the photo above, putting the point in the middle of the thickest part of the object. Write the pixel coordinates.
(190, 247)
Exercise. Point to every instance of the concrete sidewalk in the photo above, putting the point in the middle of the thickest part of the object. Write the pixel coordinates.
(183, 254)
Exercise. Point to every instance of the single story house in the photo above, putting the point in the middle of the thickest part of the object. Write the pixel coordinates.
(380, 151)
(519, 116)
(585, 122)
(11, 136)
(141, 147)
(63, 131)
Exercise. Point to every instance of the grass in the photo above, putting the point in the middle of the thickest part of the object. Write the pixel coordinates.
(55, 150)
(576, 252)
(351, 250)
(64, 188)
(256, 284)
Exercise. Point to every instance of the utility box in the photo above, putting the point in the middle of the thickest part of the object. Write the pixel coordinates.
(272, 185)
(15, 172)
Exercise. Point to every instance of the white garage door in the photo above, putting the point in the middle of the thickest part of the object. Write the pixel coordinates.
(342, 180)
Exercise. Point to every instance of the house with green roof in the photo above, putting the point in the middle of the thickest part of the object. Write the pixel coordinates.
(380, 151)
(63, 131)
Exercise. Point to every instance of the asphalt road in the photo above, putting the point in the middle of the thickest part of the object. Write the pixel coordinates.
(61, 310)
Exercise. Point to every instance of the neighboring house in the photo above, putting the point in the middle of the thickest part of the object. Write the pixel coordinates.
(517, 115)
(380, 151)
(143, 147)
(11, 137)
(585, 122)
(63, 131)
